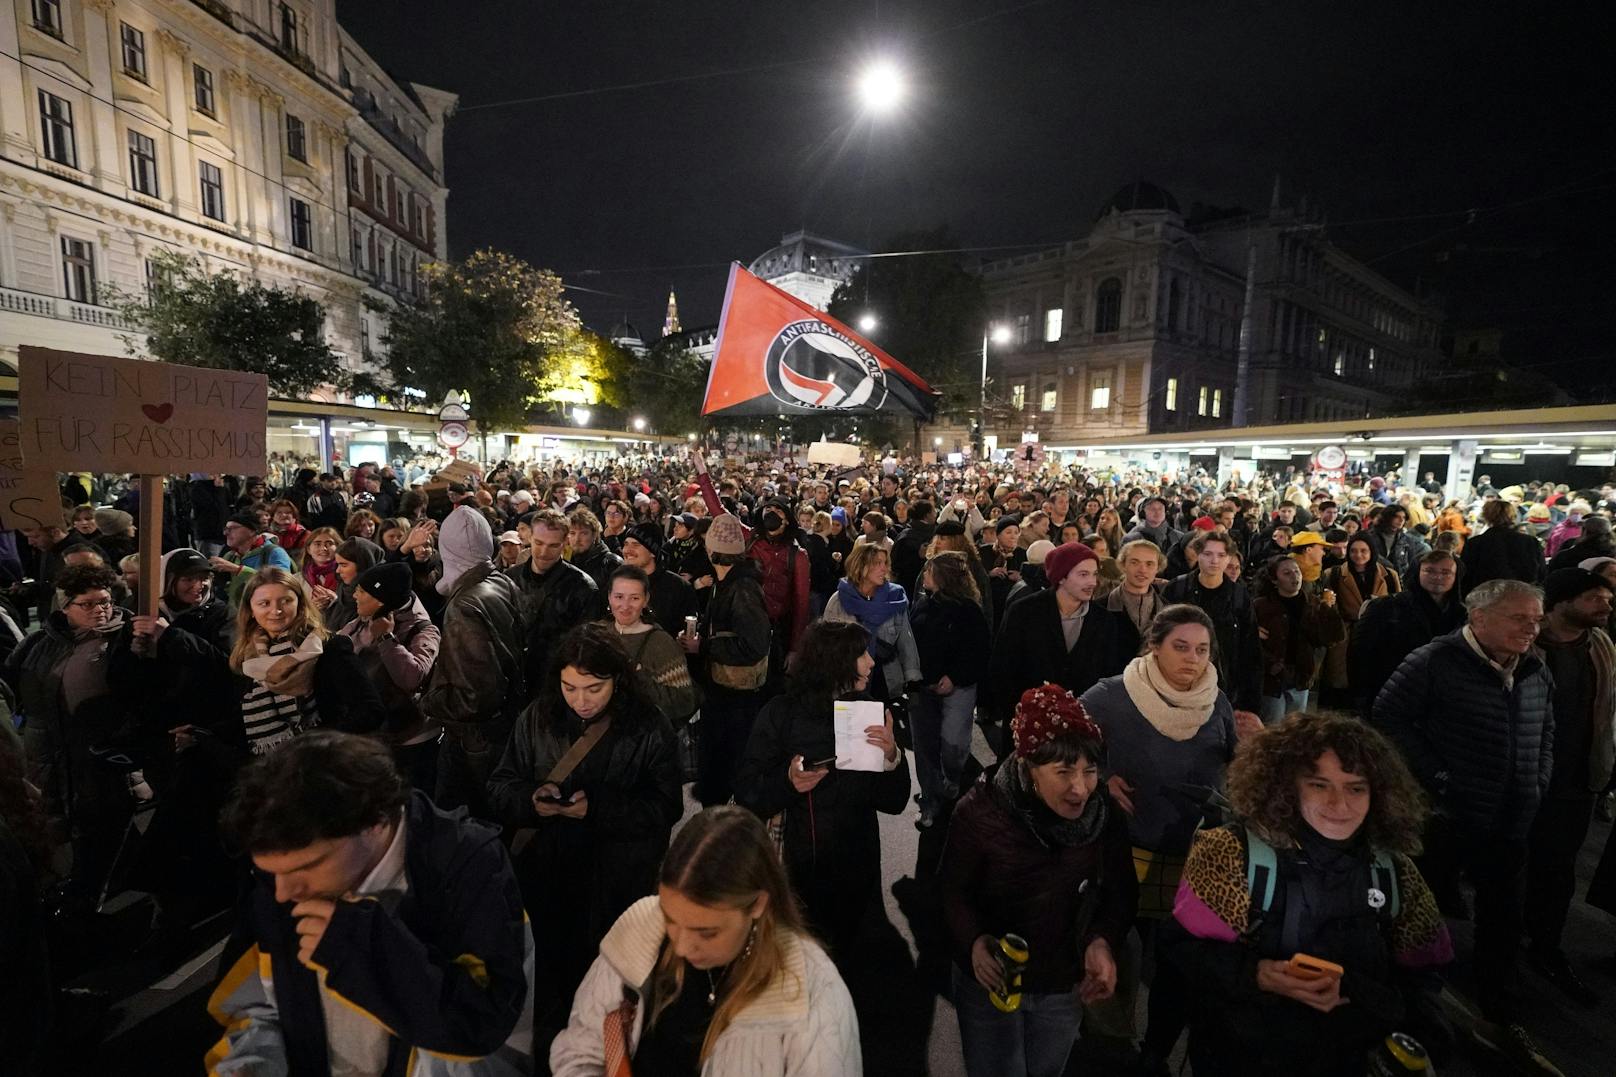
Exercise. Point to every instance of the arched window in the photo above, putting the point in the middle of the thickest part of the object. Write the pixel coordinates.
(1108, 306)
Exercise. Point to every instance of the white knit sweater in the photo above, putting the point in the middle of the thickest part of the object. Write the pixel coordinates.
(803, 1025)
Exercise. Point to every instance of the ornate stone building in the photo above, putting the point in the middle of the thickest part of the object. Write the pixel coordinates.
(255, 134)
(810, 267)
(1135, 328)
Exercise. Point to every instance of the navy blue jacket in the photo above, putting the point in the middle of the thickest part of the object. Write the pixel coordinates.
(1481, 751)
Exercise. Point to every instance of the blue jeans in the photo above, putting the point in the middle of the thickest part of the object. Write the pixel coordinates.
(941, 726)
(1032, 1042)
(1275, 708)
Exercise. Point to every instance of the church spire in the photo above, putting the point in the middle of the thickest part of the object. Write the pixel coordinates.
(670, 324)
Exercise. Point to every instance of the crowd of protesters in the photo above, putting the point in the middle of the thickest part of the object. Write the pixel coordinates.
(1247, 746)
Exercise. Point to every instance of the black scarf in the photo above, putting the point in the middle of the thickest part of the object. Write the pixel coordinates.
(1015, 790)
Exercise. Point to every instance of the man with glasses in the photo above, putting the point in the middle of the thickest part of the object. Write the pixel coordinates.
(74, 679)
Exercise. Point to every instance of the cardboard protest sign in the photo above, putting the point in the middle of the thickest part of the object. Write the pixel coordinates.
(460, 469)
(100, 413)
(29, 496)
(834, 452)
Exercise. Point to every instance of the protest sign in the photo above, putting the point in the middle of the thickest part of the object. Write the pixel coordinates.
(29, 496)
(102, 413)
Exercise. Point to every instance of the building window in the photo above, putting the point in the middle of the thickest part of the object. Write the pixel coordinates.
(364, 335)
(48, 16)
(1018, 397)
(1202, 407)
(78, 269)
(289, 38)
(1022, 327)
(1217, 403)
(142, 164)
(379, 200)
(212, 190)
(134, 51)
(302, 224)
(1175, 304)
(56, 127)
(1099, 392)
(417, 217)
(202, 80)
(356, 248)
(297, 139)
(1052, 323)
(353, 172)
(1108, 306)
(1172, 394)
(1371, 359)
(1047, 400)
(1340, 363)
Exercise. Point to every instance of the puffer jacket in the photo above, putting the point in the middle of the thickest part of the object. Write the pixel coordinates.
(478, 677)
(1476, 746)
(802, 1023)
(551, 605)
(611, 855)
(784, 574)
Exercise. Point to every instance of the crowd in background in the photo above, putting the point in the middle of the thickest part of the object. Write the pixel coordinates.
(1249, 748)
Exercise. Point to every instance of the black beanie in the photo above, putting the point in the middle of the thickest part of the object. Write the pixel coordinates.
(1568, 584)
(389, 584)
(647, 535)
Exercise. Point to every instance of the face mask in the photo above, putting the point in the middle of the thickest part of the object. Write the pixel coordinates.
(773, 521)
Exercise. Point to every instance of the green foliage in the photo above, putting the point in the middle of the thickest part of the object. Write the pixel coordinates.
(930, 311)
(228, 322)
(492, 326)
(667, 387)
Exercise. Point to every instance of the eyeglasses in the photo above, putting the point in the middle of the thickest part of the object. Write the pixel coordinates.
(101, 604)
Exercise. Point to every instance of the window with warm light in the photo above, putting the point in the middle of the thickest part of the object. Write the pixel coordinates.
(1202, 402)
(1053, 318)
(1047, 400)
(1018, 397)
(1099, 392)
(1172, 394)
(1217, 403)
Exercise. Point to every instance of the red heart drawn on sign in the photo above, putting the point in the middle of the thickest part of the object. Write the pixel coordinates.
(158, 413)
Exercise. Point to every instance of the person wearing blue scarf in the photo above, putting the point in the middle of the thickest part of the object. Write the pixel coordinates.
(867, 597)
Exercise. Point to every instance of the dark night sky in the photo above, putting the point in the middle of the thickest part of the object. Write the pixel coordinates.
(1023, 118)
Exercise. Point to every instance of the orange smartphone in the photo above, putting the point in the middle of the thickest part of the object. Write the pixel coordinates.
(1309, 967)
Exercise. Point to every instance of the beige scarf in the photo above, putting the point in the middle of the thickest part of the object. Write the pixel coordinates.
(1175, 714)
(288, 674)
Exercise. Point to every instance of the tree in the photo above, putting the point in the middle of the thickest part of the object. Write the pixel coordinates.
(585, 368)
(667, 386)
(491, 326)
(225, 321)
(929, 309)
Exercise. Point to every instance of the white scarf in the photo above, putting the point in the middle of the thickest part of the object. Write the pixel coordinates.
(1175, 714)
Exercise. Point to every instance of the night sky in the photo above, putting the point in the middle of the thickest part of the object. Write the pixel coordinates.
(1022, 119)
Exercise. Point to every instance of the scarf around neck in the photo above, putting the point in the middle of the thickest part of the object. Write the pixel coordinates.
(1015, 790)
(290, 675)
(888, 602)
(1175, 714)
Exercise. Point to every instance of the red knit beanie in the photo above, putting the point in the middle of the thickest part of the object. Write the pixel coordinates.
(1065, 557)
(1046, 712)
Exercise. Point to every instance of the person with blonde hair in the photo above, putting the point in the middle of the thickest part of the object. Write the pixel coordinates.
(869, 597)
(714, 974)
(293, 674)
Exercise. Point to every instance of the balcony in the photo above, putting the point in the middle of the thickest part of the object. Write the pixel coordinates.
(371, 114)
(49, 306)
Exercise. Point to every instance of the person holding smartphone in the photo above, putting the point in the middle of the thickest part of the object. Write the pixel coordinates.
(832, 841)
(1329, 803)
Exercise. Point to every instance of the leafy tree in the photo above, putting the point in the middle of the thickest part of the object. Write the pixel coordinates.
(930, 311)
(492, 326)
(585, 368)
(225, 321)
(667, 386)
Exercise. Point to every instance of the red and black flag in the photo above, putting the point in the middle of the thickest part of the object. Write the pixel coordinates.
(776, 355)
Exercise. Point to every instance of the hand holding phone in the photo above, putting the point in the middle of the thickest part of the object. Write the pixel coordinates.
(1308, 967)
(821, 764)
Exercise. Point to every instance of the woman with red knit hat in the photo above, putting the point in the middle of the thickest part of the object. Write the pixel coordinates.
(1036, 849)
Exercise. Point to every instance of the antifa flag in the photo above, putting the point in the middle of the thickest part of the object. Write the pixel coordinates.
(776, 355)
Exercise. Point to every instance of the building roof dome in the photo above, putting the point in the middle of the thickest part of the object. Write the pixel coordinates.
(803, 252)
(1139, 196)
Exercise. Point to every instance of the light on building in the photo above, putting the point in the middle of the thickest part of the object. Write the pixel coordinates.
(580, 416)
(936, 441)
(690, 437)
(639, 423)
(999, 334)
(881, 87)
(868, 322)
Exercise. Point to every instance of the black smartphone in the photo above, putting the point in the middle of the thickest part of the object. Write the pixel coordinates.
(821, 764)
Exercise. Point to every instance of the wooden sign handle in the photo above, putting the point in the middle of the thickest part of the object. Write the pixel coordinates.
(151, 543)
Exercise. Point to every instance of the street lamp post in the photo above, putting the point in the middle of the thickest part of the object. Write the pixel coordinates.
(999, 334)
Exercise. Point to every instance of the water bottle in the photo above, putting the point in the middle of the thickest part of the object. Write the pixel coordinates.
(1012, 954)
(1400, 1055)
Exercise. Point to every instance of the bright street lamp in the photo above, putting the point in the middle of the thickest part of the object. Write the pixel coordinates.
(639, 423)
(936, 441)
(881, 87)
(998, 334)
(580, 416)
(867, 323)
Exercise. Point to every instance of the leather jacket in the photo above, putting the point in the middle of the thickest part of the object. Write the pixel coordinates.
(478, 677)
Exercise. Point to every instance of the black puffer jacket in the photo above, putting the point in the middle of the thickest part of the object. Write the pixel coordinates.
(587, 871)
(1390, 629)
(551, 605)
(478, 677)
(1483, 752)
(1501, 553)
